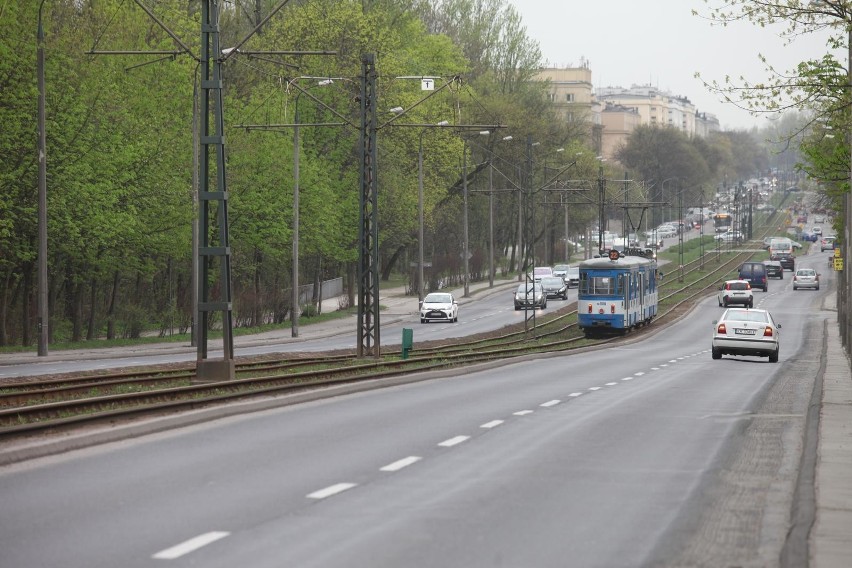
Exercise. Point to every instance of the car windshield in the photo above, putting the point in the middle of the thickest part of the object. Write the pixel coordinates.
(560, 268)
(746, 315)
(574, 271)
(552, 282)
(438, 299)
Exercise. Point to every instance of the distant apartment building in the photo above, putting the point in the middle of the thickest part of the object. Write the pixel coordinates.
(571, 92)
(655, 107)
(614, 112)
(617, 123)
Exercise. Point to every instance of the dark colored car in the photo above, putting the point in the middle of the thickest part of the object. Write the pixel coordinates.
(530, 295)
(555, 287)
(755, 274)
(774, 269)
(787, 260)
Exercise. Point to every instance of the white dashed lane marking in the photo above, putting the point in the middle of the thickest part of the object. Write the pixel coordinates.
(453, 441)
(190, 545)
(399, 464)
(202, 540)
(331, 490)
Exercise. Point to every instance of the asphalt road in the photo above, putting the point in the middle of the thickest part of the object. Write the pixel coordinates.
(644, 454)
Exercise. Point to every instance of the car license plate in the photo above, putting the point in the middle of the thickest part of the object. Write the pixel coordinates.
(744, 331)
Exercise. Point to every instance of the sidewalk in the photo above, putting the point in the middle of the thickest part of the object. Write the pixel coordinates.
(397, 307)
(830, 540)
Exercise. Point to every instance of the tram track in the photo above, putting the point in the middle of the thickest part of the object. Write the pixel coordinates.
(34, 406)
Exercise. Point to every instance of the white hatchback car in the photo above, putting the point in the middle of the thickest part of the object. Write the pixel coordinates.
(439, 306)
(743, 331)
(735, 292)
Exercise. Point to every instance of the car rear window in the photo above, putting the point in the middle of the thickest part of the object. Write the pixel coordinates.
(759, 317)
(738, 286)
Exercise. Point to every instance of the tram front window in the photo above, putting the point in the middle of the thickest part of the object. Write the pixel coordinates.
(601, 286)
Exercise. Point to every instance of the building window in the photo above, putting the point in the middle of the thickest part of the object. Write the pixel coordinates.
(569, 97)
(551, 97)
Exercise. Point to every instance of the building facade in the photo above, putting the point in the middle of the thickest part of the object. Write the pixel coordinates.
(614, 112)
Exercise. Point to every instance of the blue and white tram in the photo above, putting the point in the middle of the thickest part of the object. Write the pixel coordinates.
(616, 293)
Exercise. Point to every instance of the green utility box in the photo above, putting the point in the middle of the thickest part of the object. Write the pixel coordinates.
(407, 341)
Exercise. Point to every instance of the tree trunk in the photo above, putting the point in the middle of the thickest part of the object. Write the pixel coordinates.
(111, 307)
(77, 313)
(26, 303)
(351, 283)
(391, 263)
(320, 280)
(257, 311)
(90, 332)
(4, 310)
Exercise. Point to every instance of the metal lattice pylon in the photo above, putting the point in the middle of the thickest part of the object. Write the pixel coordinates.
(369, 342)
(214, 247)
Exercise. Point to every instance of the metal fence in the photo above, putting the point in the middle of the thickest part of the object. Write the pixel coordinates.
(330, 289)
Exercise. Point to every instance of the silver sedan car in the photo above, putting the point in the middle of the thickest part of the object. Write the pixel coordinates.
(745, 331)
(806, 278)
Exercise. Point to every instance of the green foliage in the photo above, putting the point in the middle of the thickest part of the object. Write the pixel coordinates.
(120, 134)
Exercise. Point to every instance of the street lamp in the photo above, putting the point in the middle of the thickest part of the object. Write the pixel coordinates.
(43, 314)
(420, 287)
(294, 309)
(601, 197)
(491, 215)
(544, 200)
(466, 240)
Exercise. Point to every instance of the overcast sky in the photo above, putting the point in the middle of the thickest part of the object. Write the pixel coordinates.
(660, 42)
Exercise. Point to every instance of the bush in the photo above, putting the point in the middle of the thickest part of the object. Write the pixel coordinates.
(310, 311)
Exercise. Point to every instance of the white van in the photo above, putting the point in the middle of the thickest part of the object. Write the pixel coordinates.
(780, 245)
